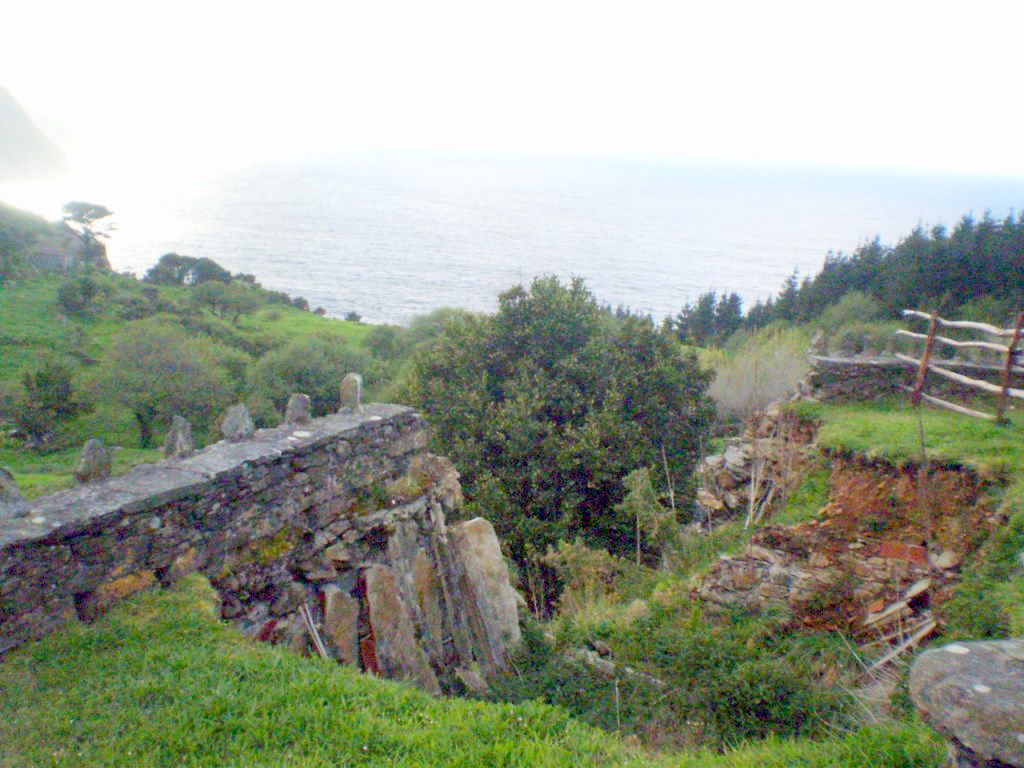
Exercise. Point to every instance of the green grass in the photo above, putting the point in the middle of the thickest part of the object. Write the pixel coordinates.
(889, 430)
(806, 501)
(161, 681)
(40, 474)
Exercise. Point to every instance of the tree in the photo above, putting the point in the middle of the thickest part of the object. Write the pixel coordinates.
(86, 215)
(653, 521)
(547, 405)
(229, 301)
(175, 269)
(156, 371)
(313, 365)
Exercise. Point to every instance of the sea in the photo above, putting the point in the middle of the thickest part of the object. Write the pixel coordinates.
(394, 235)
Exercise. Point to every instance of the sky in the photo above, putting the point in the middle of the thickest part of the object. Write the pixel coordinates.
(873, 85)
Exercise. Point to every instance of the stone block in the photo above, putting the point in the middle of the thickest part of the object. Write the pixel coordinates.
(397, 653)
(486, 577)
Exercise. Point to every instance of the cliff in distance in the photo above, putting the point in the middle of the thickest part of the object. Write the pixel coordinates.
(25, 151)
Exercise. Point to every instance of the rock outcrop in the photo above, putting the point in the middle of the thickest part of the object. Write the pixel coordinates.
(237, 423)
(973, 693)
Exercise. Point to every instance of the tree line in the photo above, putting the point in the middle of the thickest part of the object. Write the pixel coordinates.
(979, 264)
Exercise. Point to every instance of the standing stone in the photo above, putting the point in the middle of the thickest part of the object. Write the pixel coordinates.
(973, 693)
(237, 424)
(12, 503)
(341, 623)
(495, 619)
(397, 652)
(297, 411)
(179, 443)
(352, 393)
(93, 463)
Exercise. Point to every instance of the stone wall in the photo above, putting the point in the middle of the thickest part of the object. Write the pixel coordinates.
(835, 379)
(340, 521)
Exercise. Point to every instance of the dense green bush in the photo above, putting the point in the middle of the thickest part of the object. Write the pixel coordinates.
(75, 295)
(547, 405)
(313, 365)
(174, 269)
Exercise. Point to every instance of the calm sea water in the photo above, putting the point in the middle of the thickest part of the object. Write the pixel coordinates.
(393, 236)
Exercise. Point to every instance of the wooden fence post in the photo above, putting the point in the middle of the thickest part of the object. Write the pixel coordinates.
(926, 359)
(1011, 356)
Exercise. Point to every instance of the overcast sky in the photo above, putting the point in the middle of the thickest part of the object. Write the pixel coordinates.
(928, 85)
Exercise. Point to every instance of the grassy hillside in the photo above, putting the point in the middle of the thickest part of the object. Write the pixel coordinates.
(33, 328)
(161, 681)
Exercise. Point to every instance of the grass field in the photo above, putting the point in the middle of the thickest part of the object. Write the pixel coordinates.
(161, 681)
(890, 430)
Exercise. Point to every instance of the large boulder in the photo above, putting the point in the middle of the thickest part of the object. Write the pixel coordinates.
(973, 693)
(494, 609)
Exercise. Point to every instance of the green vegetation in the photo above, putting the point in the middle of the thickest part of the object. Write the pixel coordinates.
(161, 681)
(807, 499)
(890, 430)
(117, 365)
(548, 404)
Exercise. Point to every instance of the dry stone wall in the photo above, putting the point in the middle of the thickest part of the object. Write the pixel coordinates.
(338, 522)
(841, 379)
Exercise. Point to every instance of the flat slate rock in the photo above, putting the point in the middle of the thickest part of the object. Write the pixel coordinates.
(973, 693)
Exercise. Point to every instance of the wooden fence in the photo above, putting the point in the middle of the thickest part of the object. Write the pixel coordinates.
(1008, 352)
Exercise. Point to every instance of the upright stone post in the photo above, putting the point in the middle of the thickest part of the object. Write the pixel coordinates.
(237, 424)
(297, 411)
(179, 443)
(12, 503)
(351, 393)
(93, 463)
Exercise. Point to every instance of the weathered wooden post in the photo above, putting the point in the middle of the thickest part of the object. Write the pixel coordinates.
(1011, 358)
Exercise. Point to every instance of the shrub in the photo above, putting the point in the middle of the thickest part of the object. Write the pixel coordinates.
(45, 402)
(75, 295)
(313, 365)
(767, 367)
(174, 269)
(156, 371)
(547, 405)
(353, 317)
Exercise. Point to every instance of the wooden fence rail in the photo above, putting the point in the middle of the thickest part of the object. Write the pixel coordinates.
(1010, 352)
